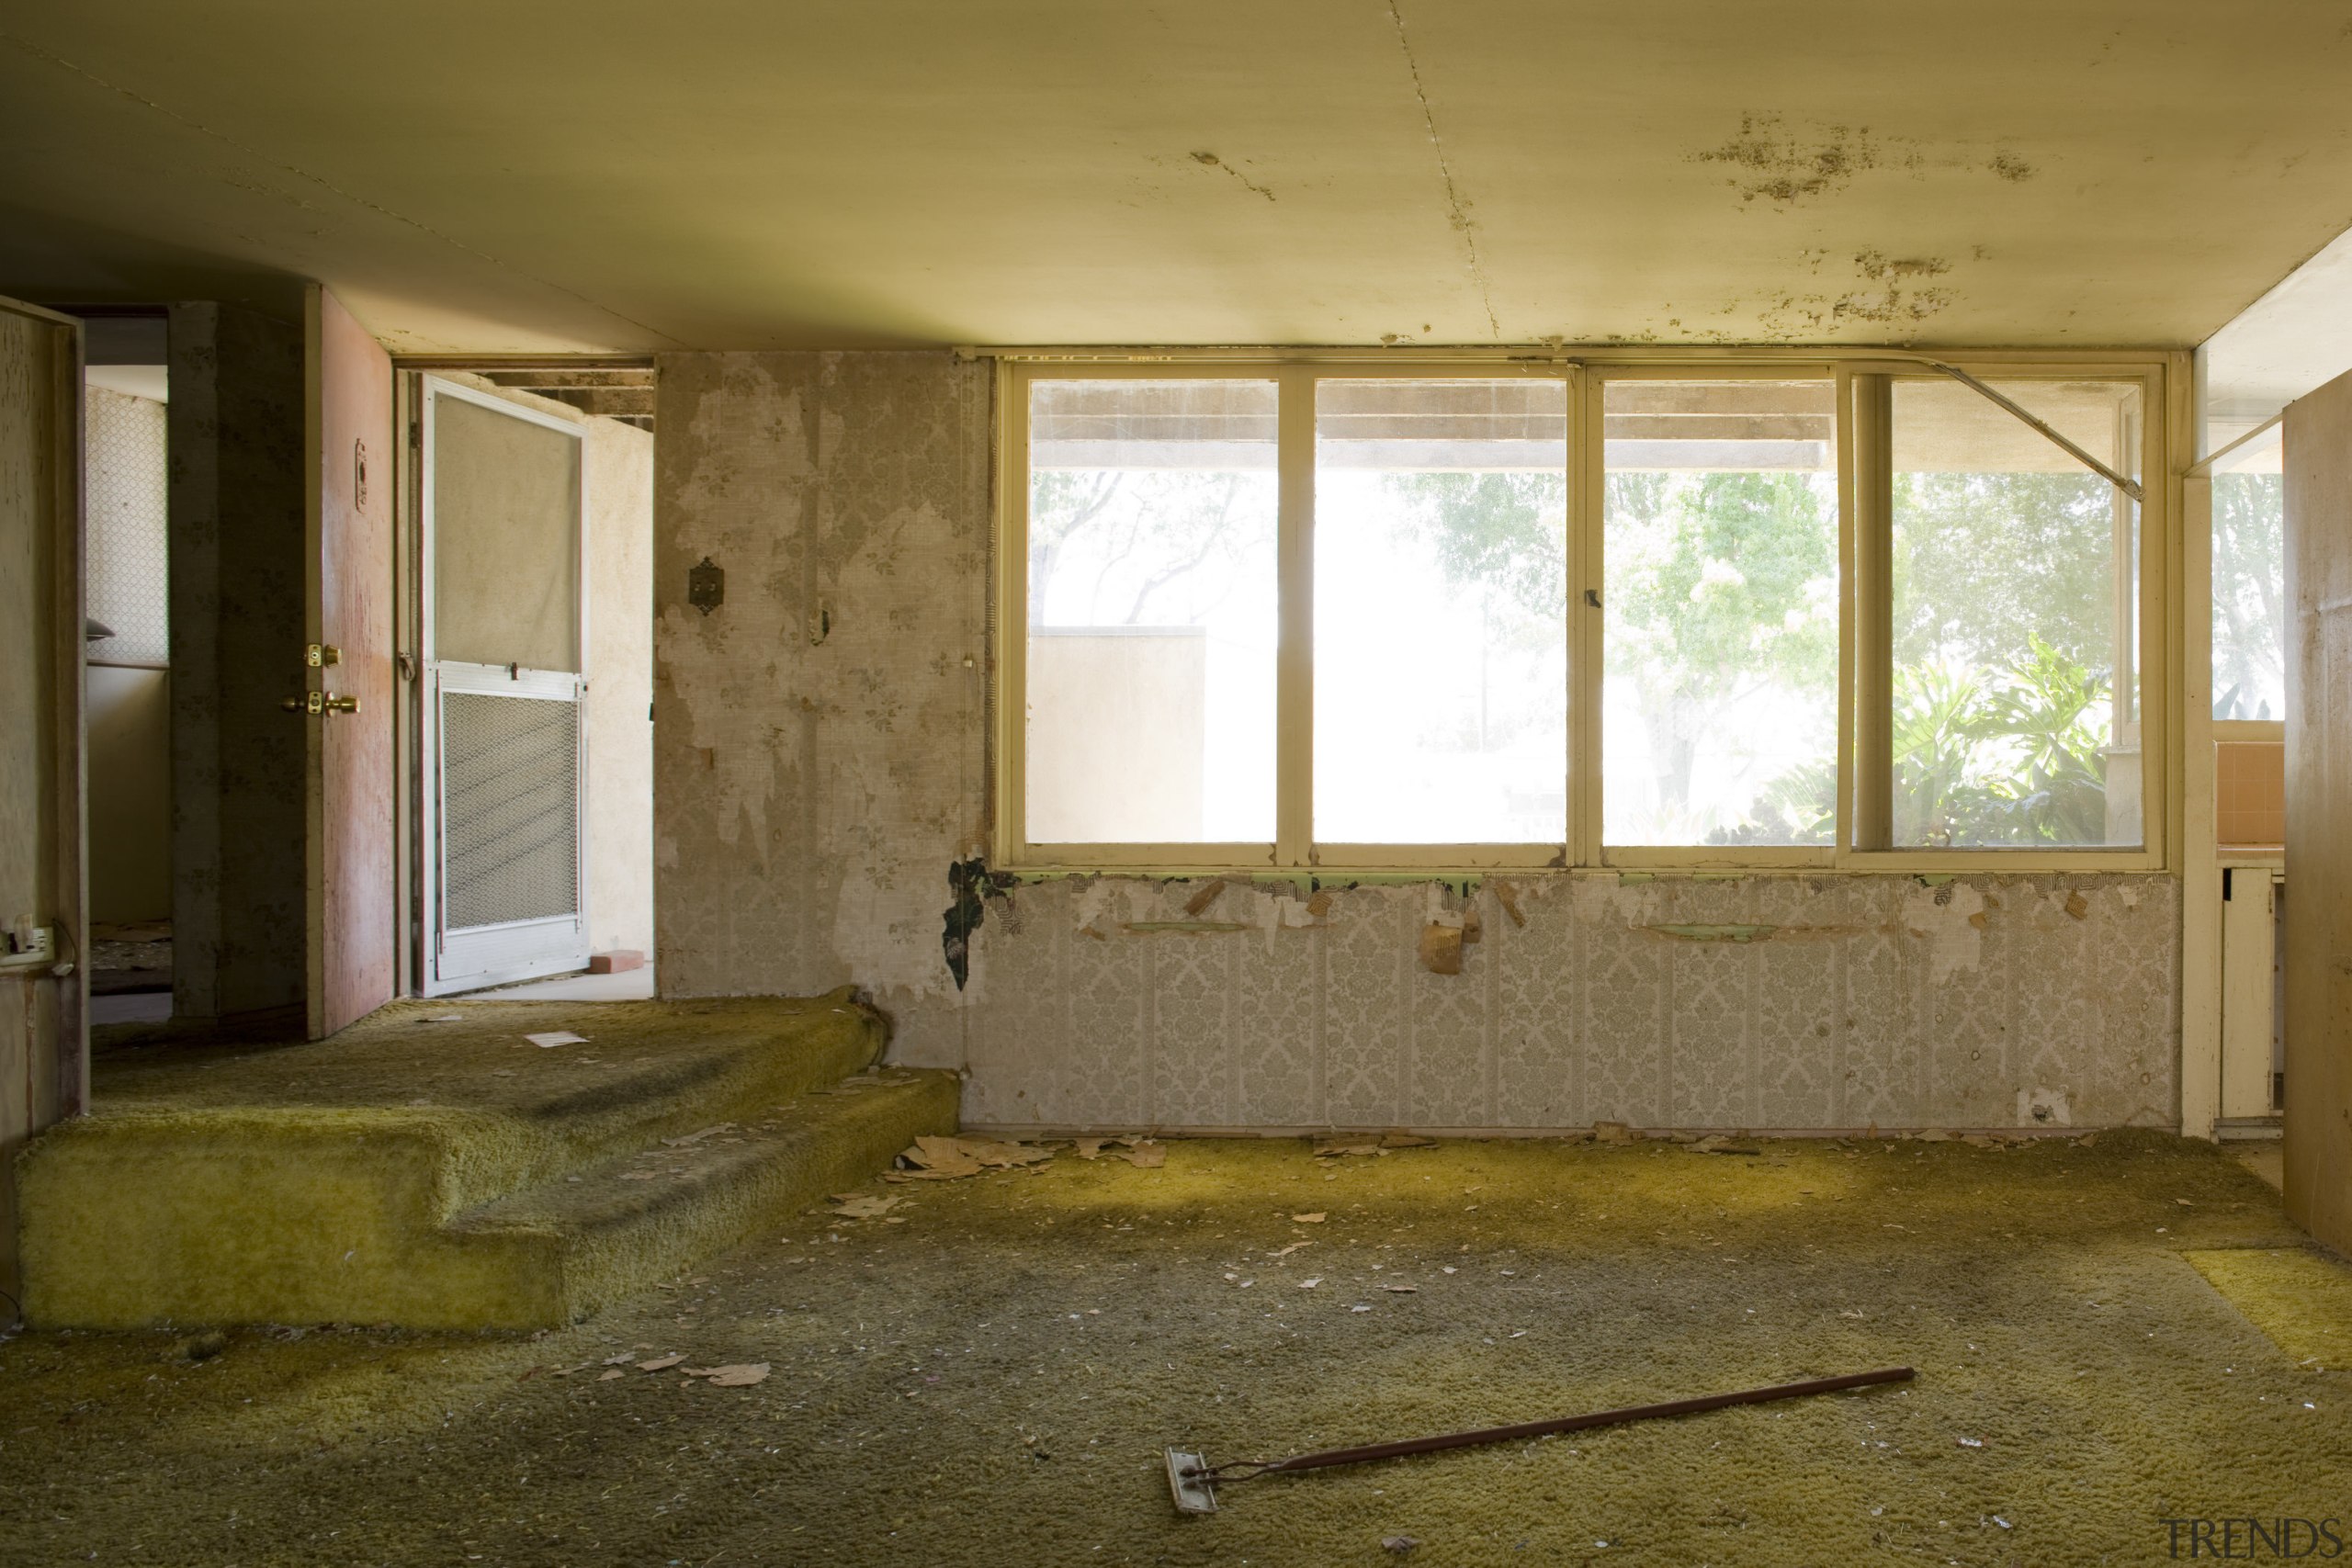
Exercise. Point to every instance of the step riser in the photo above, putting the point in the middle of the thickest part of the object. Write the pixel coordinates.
(291, 1188)
(850, 1149)
(330, 1225)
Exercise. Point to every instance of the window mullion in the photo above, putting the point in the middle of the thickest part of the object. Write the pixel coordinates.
(1011, 615)
(1869, 781)
(1294, 662)
(1585, 556)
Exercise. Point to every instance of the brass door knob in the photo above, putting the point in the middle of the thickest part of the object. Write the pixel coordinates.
(318, 703)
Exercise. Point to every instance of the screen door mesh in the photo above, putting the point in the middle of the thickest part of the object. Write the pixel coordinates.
(511, 808)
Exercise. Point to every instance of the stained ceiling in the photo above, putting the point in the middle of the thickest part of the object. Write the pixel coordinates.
(533, 177)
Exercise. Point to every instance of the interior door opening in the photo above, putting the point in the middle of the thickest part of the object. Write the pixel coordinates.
(127, 667)
(530, 722)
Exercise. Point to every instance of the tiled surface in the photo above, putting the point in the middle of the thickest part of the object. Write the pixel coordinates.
(128, 578)
(2250, 792)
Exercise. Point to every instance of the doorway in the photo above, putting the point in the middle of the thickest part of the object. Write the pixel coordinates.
(127, 667)
(530, 727)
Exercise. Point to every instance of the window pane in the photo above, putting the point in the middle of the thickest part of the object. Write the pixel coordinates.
(1152, 615)
(1441, 618)
(2249, 582)
(2016, 621)
(1719, 699)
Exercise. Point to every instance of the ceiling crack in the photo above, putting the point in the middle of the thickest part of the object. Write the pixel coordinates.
(28, 47)
(1457, 213)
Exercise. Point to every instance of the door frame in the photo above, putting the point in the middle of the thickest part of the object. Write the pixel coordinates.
(432, 678)
(52, 1083)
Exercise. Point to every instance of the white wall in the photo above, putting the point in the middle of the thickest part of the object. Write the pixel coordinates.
(620, 687)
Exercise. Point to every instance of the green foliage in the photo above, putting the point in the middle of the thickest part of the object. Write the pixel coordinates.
(1798, 807)
(1980, 557)
(1721, 584)
(1718, 582)
(2018, 759)
(2249, 582)
(1504, 532)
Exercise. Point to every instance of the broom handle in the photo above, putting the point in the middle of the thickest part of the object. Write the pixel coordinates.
(1579, 1423)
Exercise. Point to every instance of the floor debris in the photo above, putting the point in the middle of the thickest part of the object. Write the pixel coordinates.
(1366, 1144)
(949, 1159)
(864, 1205)
(550, 1039)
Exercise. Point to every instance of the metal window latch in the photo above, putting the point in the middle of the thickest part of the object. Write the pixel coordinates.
(318, 703)
(319, 655)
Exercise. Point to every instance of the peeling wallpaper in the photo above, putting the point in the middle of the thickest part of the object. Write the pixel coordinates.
(1851, 1001)
(820, 763)
(819, 738)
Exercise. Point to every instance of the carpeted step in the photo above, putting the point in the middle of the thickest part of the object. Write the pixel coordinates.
(619, 1225)
(347, 1180)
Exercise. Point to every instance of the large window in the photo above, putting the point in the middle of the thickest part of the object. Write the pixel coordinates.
(1719, 691)
(1153, 612)
(1358, 614)
(2016, 610)
(1441, 626)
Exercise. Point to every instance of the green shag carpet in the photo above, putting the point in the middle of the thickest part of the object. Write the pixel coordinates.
(431, 1168)
(987, 1374)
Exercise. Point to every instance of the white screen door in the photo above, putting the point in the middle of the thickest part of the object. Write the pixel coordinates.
(505, 891)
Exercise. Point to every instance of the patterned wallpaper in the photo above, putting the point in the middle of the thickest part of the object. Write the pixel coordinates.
(129, 570)
(1868, 999)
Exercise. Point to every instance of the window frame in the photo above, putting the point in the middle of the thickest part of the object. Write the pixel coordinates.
(1590, 670)
(1865, 669)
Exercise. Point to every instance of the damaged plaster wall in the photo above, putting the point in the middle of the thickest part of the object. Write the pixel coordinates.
(819, 765)
(1756, 1002)
(818, 736)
